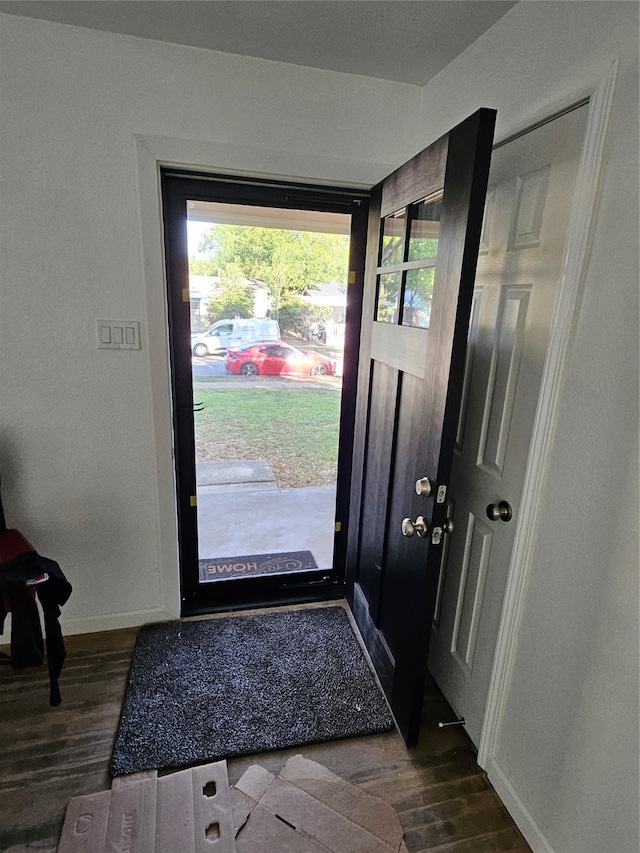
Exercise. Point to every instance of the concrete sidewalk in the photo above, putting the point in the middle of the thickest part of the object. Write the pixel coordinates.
(233, 383)
(241, 511)
(233, 476)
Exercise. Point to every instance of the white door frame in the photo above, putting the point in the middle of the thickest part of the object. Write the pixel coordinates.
(576, 253)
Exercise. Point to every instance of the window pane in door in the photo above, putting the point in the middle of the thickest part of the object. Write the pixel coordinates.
(418, 291)
(391, 250)
(425, 227)
(251, 421)
(388, 297)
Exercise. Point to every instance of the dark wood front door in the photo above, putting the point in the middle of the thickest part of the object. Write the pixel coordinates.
(424, 231)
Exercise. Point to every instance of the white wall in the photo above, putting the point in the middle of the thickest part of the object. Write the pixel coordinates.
(566, 755)
(85, 434)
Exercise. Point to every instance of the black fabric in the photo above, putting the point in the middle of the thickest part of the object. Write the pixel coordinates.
(214, 688)
(27, 646)
(26, 632)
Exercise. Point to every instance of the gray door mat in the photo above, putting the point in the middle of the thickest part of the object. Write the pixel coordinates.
(211, 689)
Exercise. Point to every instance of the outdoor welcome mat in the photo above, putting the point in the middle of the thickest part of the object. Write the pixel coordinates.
(215, 688)
(255, 564)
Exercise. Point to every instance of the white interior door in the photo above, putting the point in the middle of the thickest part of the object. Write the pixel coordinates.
(519, 272)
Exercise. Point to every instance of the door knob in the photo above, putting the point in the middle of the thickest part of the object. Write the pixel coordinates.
(500, 512)
(418, 526)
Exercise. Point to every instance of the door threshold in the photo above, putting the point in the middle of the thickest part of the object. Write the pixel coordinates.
(272, 598)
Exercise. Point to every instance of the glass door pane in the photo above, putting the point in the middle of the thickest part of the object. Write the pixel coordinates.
(268, 311)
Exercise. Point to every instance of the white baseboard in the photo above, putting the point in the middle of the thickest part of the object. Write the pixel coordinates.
(522, 817)
(113, 621)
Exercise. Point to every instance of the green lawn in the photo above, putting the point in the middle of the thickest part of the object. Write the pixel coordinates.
(295, 430)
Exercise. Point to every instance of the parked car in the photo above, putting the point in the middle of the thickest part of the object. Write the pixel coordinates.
(233, 333)
(276, 358)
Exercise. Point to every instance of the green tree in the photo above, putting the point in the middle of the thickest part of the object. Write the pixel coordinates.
(298, 318)
(288, 262)
(199, 267)
(233, 297)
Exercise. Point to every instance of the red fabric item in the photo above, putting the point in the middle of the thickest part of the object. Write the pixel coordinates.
(12, 545)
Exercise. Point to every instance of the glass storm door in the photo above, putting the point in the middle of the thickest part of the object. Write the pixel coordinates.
(248, 535)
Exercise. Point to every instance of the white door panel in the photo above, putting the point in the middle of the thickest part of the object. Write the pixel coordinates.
(519, 271)
(503, 378)
(478, 538)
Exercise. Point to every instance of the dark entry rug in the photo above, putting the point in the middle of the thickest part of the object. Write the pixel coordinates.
(253, 565)
(211, 689)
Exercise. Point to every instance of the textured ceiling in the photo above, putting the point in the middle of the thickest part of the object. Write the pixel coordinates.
(409, 41)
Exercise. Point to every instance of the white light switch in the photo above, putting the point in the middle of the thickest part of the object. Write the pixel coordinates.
(118, 334)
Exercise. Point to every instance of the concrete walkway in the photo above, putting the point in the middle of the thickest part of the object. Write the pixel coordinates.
(233, 383)
(241, 511)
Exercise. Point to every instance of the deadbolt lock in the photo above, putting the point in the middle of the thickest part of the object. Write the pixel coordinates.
(423, 487)
(418, 526)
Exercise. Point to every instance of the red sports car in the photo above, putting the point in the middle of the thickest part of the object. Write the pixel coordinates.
(276, 357)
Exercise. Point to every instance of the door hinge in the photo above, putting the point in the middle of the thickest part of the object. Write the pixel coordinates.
(193, 500)
(337, 526)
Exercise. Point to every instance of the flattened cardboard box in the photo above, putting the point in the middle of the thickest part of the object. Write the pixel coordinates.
(182, 812)
(307, 809)
(304, 809)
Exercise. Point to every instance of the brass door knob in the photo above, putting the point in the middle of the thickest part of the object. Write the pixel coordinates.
(500, 512)
(418, 526)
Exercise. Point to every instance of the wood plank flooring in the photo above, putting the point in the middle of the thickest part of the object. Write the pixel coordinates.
(48, 755)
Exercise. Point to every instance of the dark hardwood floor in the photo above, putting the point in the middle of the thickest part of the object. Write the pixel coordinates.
(48, 755)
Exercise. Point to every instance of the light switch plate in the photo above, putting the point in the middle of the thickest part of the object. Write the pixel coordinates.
(118, 334)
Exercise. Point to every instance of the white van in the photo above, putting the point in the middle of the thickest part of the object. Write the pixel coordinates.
(232, 333)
